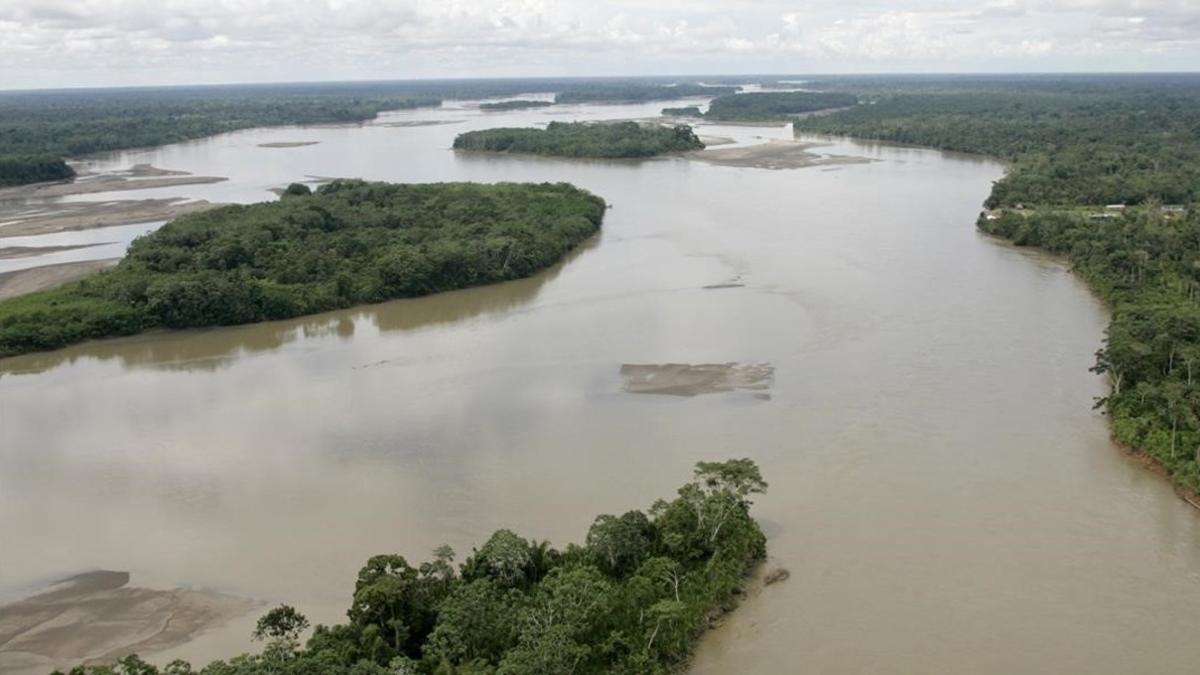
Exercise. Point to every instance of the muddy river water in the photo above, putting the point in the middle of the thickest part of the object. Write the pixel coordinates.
(941, 491)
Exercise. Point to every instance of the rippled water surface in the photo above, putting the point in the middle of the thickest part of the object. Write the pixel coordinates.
(941, 491)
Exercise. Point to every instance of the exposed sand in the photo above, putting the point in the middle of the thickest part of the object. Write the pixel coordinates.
(111, 182)
(417, 123)
(287, 144)
(31, 220)
(8, 252)
(96, 618)
(775, 154)
(683, 379)
(710, 141)
(47, 276)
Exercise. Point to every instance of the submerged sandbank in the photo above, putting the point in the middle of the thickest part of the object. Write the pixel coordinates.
(96, 618)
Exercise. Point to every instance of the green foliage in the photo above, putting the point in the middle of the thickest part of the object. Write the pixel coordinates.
(24, 169)
(579, 139)
(1075, 144)
(349, 243)
(515, 104)
(296, 190)
(625, 603)
(283, 622)
(634, 92)
(688, 111)
(767, 106)
(37, 130)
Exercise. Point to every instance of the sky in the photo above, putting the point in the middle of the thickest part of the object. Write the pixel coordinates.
(67, 43)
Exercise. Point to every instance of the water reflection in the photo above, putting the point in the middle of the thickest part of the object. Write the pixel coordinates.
(214, 349)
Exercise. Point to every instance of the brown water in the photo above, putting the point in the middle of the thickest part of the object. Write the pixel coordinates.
(942, 493)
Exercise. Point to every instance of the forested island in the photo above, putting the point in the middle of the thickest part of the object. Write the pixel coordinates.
(687, 111)
(632, 599)
(349, 243)
(775, 106)
(516, 104)
(636, 92)
(620, 140)
(1104, 171)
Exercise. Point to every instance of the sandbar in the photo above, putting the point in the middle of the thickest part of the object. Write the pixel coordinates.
(32, 220)
(96, 617)
(287, 144)
(33, 279)
(775, 155)
(9, 252)
(684, 379)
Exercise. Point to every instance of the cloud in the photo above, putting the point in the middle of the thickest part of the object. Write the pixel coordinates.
(68, 42)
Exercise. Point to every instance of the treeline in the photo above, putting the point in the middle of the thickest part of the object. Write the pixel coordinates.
(580, 139)
(634, 92)
(517, 104)
(688, 111)
(38, 131)
(632, 600)
(776, 105)
(1075, 145)
(1128, 146)
(349, 243)
(25, 169)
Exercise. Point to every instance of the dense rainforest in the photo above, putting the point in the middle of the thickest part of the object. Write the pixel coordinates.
(517, 104)
(580, 139)
(349, 243)
(40, 129)
(775, 105)
(1105, 171)
(633, 599)
(634, 92)
(687, 111)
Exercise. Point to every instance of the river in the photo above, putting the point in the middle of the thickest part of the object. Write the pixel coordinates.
(940, 488)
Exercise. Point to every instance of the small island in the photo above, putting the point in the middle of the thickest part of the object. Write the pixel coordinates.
(775, 106)
(515, 104)
(634, 92)
(619, 140)
(349, 243)
(634, 597)
(688, 111)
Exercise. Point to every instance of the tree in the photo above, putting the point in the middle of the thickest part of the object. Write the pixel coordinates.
(283, 622)
(619, 544)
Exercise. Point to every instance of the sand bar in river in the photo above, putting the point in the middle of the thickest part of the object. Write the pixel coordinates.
(96, 617)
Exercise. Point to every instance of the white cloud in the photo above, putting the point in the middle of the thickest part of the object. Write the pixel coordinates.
(73, 42)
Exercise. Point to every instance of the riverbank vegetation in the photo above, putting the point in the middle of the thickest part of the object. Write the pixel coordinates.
(1104, 171)
(637, 92)
(39, 130)
(581, 139)
(517, 104)
(349, 243)
(688, 111)
(775, 106)
(632, 599)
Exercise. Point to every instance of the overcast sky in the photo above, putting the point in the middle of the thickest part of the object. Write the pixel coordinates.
(51, 43)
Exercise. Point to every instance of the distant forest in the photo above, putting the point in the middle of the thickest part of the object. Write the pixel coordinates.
(517, 104)
(1105, 171)
(41, 129)
(580, 139)
(349, 243)
(775, 105)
